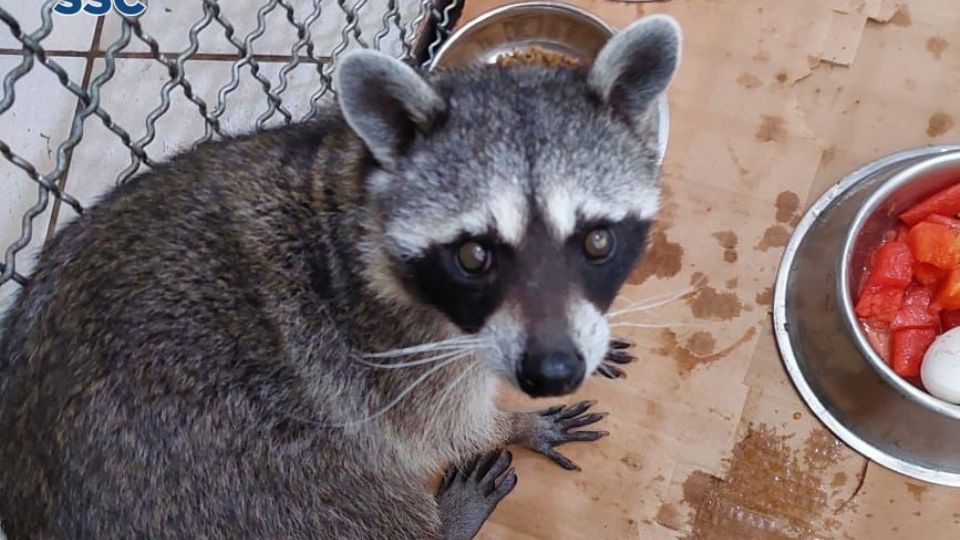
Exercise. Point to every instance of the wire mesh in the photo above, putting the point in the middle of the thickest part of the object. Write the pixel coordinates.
(320, 32)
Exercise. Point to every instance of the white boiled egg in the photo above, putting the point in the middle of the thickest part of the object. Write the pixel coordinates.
(940, 370)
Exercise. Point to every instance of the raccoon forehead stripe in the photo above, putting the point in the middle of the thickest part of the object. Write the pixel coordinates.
(563, 208)
(504, 212)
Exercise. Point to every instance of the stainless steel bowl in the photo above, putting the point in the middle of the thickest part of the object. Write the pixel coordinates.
(845, 383)
(551, 26)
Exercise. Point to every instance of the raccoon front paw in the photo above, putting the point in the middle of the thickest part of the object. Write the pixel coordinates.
(468, 494)
(552, 427)
(617, 354)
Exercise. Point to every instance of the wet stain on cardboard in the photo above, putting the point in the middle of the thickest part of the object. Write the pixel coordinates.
(839, 479)
(822, 449)
(663, 259)
(787, 205)
(653, 411)
(709, 303)
(670, 517)
(764, 297)
(782, 77)
(769, 491)
(938, 124)
(917, 490)
(668, 203)
(828, 155)
(776, 236)
(732, 283)
(698, 349)
(728, 241)
(741, 170)
(632, 461)
(936, 45)
(748, 80)
(910, 84)
(701, 343)
(902, 17)
(771, 128)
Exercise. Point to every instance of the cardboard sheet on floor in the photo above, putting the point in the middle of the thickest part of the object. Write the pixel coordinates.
(774, 102)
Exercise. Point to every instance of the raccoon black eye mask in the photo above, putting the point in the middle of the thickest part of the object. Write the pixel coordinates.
(285, 334)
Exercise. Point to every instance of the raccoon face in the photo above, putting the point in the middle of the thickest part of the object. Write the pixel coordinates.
(515, 201)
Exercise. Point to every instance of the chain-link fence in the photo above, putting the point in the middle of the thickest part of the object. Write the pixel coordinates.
(182, 72)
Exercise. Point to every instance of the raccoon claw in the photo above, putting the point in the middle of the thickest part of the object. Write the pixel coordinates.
(611, 371)
(616, 355)
(553, 428)
(468, 494)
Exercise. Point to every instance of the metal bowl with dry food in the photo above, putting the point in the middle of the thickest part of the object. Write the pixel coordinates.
(548, 33)
(827, 354)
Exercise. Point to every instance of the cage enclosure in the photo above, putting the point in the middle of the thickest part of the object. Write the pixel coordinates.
(90, 99)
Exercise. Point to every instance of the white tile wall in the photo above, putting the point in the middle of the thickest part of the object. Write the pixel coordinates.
(43, 110)
(135, 92)
(74, 33)
(38, 121)
(170, 21)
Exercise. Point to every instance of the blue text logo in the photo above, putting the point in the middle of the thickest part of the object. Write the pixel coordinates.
(130, 8)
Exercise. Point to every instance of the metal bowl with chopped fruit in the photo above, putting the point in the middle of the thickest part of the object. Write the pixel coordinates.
(827, 352)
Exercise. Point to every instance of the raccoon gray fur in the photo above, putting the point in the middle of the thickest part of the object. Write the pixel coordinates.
(285, 334)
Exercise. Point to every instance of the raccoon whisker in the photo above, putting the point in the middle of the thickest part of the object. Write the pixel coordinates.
(455, 343)
(458, 352)
(653, 302)
(426, 375)
(646, 325)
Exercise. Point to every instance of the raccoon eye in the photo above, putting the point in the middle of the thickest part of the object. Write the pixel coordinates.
(598, 244)
(473, 257)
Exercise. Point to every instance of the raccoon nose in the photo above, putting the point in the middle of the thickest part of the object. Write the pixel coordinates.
(553, 373)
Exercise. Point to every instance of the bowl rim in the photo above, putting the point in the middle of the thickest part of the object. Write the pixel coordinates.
(485, 18)
(845, 297)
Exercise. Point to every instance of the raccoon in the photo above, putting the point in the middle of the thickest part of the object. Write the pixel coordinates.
(285, 334)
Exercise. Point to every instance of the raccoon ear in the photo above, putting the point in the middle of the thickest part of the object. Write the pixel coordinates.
(385, 102)
(636, 65)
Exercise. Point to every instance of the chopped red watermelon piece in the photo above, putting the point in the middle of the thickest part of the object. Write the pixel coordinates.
(948, 295)
(879, 339)
(908, 347)
(892, 265)
(879, 304)
(927, 274)
(935, 244)
(953, 223)
(945, 202)
(949, 319)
